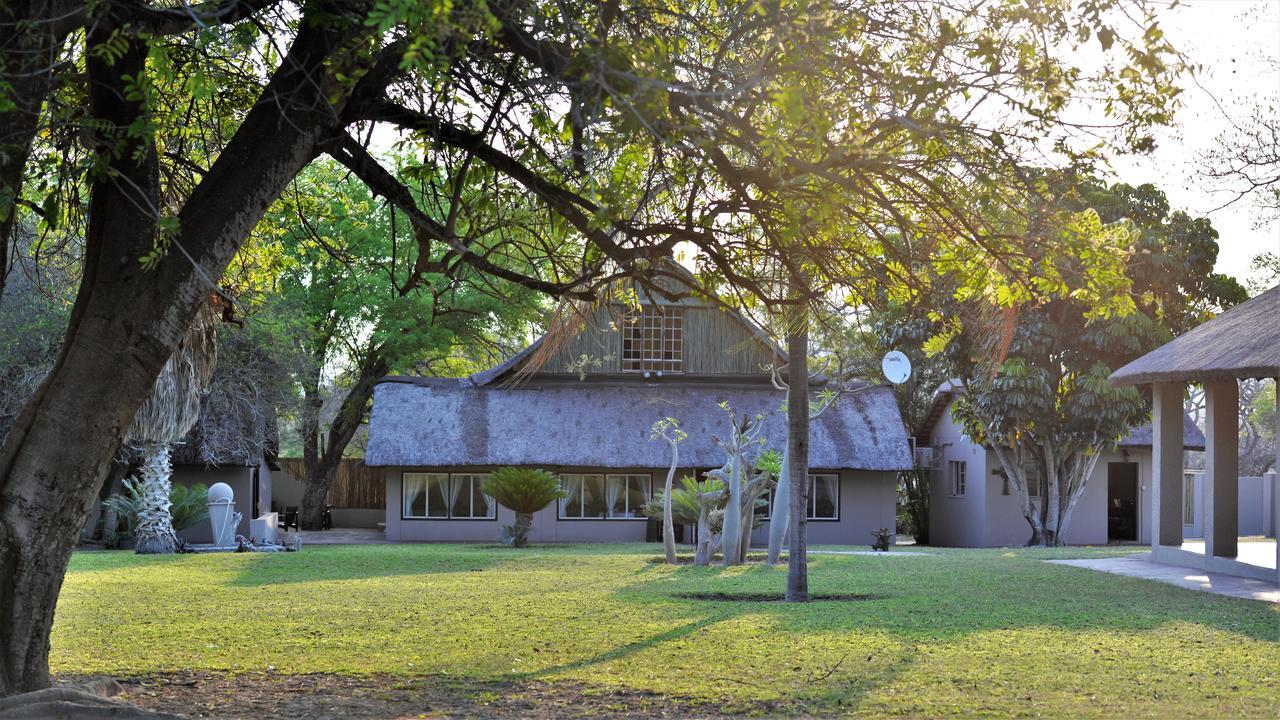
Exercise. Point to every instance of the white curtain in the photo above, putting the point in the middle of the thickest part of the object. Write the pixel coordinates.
(572, 489)
(829, 485)
(415, 487)
(488, 500)
(612, 492)
(452, 487)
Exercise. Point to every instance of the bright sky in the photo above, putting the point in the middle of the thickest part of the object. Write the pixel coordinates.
(1232, 39)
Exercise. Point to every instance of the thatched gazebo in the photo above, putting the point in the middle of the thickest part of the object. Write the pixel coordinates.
(1242, 343)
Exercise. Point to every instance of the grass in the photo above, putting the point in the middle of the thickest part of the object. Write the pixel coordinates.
(989, 632)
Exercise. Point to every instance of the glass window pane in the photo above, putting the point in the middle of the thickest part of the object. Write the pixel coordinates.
(593, 497)
(571, 503)
(482, 506)
(460, 496)
(824, 489)
(415, 495)
(437, 490)
(637, 494)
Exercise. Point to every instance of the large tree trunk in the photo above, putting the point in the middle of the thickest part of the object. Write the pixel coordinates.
(322, 467)
(798, 454)
(154, 533)
(126, 323)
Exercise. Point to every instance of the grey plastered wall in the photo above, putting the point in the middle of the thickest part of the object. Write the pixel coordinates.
(240, 479)
(1088, 525)
(867, 501)
(956, 521)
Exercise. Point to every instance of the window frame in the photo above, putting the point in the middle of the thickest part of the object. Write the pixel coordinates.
(1189, 497)
(658, 318)
(604, 487)
(958, 473)
(768, 508)
(449, 516)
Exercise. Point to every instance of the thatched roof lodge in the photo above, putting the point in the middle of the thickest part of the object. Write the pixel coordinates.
(581, 402)
(450, 421)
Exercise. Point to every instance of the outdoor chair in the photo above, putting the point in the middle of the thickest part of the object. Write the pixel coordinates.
(289, 517)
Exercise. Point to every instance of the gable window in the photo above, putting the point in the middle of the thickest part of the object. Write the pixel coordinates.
(653, 339)
(596, 496)
(958, 469)
(441, 496)
(823, 496)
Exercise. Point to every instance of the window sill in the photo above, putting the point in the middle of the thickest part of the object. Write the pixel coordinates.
(601, 519)
(449, 519)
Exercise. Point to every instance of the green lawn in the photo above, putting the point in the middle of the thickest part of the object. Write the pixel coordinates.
(991, 632)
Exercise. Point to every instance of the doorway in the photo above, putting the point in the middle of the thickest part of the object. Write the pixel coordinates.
(1122, 502)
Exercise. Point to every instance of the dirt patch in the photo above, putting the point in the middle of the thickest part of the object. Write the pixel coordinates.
(772, 597)
(341, 697)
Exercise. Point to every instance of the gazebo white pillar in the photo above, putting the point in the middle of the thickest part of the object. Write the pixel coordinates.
(1222, 468)
(1275, 488)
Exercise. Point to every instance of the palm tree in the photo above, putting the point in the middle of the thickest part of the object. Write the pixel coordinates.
(165, 417)
(524, 491)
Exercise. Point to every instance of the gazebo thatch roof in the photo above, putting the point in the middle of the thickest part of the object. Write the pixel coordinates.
(430, 422)
(1243, 342)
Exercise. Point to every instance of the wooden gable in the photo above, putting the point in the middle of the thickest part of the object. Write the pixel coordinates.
(713, 343)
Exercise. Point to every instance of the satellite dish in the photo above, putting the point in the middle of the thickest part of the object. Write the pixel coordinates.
(896, 367)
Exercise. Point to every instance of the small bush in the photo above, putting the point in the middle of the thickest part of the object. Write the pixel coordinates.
(188, 505)
(524, 491)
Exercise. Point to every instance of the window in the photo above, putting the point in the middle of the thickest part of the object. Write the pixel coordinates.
(958, 471)
(1032, 475)
(1189, 498)
(653, 339)
(824, 498)
(440, 496)
(615, 497)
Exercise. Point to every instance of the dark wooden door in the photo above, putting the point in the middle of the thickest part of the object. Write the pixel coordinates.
(1122, 502)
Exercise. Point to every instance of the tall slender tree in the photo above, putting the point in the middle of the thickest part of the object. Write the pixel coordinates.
(165, 417)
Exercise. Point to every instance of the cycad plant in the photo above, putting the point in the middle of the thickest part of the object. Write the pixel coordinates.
(524, 491)
(188, 505)
(165, 417)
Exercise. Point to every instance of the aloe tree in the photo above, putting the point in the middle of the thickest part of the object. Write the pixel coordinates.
(669, 429)
(166, 416)
(744, 479)
(524, 491)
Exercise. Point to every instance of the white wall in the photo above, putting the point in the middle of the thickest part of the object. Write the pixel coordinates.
(956, 521)
(1005, 524)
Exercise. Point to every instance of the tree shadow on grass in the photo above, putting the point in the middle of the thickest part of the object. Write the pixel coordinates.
(359, 562)
(938, 598)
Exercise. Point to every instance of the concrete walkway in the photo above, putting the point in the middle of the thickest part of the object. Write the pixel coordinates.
(1217, 583)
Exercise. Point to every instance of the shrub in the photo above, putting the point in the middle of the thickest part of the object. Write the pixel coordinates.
(188, 505)
(524, 491)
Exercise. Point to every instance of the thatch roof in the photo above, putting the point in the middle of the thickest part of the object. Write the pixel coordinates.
(1243, 342)
(436, 422)
(1139, 435)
